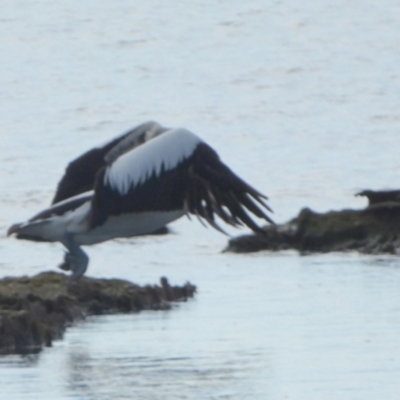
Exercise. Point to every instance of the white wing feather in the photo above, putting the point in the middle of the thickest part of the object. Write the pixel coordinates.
(136, 166)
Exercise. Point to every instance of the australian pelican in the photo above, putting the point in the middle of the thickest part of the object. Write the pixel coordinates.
(145, 188)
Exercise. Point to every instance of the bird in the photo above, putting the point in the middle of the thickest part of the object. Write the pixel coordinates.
(145, 188)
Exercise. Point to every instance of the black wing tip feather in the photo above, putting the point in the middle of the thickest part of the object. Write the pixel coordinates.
(225, 194)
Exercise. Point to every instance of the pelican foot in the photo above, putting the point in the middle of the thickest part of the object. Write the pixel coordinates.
(66, 265)
(79, 265)
(75, 259)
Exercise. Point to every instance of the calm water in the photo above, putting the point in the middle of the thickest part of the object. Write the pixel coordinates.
(302, 100)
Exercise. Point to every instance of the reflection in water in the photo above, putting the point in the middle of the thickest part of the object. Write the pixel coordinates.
(160, 378)
(17, 361)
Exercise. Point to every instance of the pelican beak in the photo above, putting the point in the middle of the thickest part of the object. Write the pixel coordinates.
(13, 229)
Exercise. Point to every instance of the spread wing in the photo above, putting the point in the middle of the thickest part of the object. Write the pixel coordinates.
(177, 171)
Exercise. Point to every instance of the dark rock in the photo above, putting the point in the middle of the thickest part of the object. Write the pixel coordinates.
(380, 196)
(35, 311)
(374, 230)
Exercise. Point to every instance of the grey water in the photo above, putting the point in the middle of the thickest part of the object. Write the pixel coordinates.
(302, 100)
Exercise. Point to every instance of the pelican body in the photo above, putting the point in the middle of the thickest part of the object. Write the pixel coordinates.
(143, 189)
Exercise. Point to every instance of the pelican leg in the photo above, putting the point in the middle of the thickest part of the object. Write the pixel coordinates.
(75, 260)
(68, 259)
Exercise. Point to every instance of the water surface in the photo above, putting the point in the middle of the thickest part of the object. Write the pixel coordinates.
(302, 100)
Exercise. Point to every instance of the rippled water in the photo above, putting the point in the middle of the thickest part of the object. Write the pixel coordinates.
(302, 100)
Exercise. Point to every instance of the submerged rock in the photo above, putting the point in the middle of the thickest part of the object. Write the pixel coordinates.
(35, 311)
(373, 230)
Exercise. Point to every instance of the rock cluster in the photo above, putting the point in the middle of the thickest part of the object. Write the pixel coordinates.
(34, 311)
(373, 230)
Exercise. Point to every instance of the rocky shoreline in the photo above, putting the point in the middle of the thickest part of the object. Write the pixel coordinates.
(373, 230)
(35, 311)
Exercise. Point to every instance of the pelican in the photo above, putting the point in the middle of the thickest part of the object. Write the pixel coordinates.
(145, 188)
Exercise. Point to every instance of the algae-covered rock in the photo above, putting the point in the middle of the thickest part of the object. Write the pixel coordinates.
(34, 311)
(373, 230)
